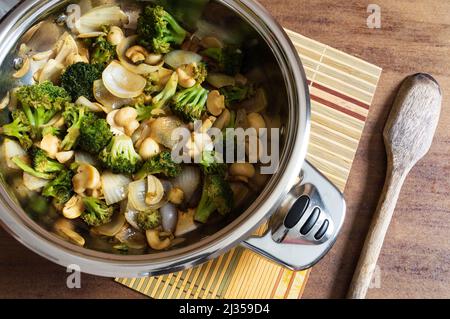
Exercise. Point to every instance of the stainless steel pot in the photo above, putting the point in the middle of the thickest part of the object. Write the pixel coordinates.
(306, 211)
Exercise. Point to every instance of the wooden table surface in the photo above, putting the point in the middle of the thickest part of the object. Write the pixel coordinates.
(415, 260)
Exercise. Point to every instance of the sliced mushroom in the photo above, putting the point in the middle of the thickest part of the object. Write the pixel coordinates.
(73, 208)
(64, 228)
(87, 177)
(215, 103)
(125, 115)
(176, 196)
(46, 55)
(149, 148)
(5, 101)
(242, 169)
(184, 79)
(136, 54)
(64, 157)
(24, 69)
(50, 144)
(94, 34)
(223, 120)
(256, 121)
(211, 42)
(75, 58)
(155, 241)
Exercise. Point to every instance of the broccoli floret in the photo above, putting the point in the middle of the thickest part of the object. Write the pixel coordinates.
(95, 134)
(50, 130)
(190, 104)
(60, 188)
(217, 195)
(158, 30)
(78, 80)
(73, 117)
(120, 156)
(200, 72)
(160, 164)
(96, 212)
(236, 94)
(149, 219)
(227, 60)
(43, 164)
(18, 128)
(160, 100)
(102, 52)
(41, 102)
(210, 164)
(30, 170)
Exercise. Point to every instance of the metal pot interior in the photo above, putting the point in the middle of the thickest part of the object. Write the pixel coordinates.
(270, 60)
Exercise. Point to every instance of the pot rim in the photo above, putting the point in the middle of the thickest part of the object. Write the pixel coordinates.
(59, 251)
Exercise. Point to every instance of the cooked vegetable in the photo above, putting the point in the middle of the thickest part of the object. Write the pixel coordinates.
(237, 93)
(30, 170)
(158, 30)
(121, 82)
(162, 163)
(88, 149)
(96, 212)
(18, 128)
(120, 156)
(78, 80)
(97, 17)
(95, 134)
(148, 219)
(40, 103)
(43, 164)
(167, 93)
(178, 58)
(190, 104)
(102, 52)
(115, 187)
(73, 117)
(216, 196)
(227, 60)
(60, 188)
(211, 164)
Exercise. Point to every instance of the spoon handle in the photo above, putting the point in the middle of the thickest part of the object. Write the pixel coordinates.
(375, 238)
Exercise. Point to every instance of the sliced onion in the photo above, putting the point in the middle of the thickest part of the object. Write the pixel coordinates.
(130, 215)
(91, 106)
(169, 217)
(188, 181)
(219, 80)
(143, 68)
(109, 101)
(12, 149)
(186, 222)
(121, 82)
(51, 72)
(113, 227)
(162, 129)
(34, 183)
(115, 187)
(97, 17)
(177, 58)
(131, 237)
(83, 157)
(136, 195)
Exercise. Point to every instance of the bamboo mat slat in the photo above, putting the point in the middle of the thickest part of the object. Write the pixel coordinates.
(342, 88)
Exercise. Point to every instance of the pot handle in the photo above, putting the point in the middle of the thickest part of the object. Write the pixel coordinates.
(6, 6)
(305, 226)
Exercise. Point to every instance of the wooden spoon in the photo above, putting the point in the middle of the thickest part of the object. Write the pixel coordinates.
(408, 135)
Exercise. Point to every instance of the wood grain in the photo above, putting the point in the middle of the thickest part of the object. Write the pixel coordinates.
(408, 136)
(415, 258)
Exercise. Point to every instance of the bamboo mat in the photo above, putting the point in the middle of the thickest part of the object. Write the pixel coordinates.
(342, 88)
